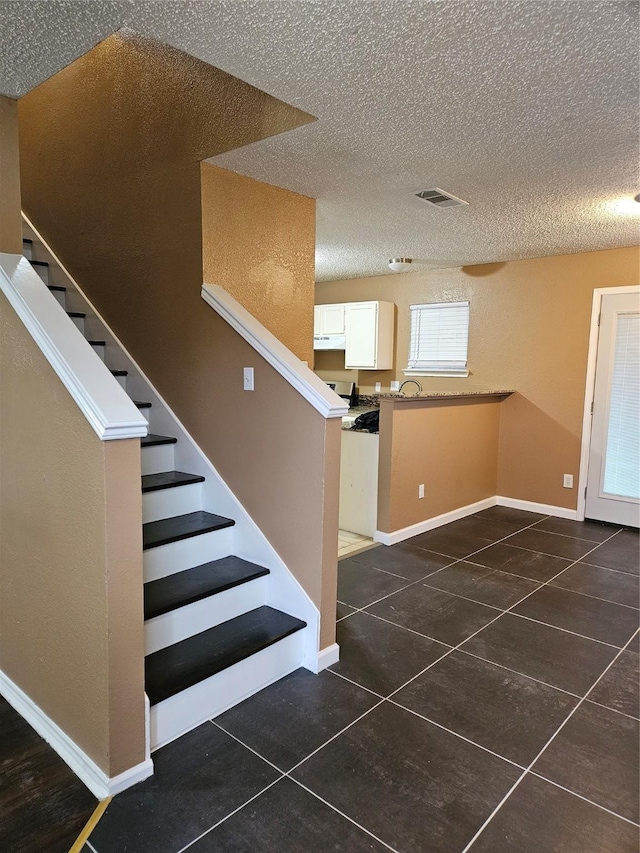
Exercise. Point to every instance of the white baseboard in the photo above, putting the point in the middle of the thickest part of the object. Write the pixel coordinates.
(544, 509)
(327, 657)
(431, 523)
(85, 768)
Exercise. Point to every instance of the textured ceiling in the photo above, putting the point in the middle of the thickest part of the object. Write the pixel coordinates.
(527, 110)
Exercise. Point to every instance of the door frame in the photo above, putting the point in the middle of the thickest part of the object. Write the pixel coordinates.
(589, 392)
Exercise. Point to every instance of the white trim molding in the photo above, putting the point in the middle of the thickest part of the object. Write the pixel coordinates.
(97, 393)
(316, 392)
(85, 768)
(431, 523)
(585, 445)
(543, 509)
(327, 657)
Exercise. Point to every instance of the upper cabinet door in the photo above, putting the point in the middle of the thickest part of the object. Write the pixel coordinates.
(331, 319)
(362, 335)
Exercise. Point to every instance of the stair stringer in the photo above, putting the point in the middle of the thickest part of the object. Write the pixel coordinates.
(283, 590)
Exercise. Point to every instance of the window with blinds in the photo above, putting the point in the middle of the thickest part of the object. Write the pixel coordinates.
(439, 338)
(622, 461)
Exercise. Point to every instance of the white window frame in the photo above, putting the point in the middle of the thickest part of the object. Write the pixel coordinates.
(457, 368)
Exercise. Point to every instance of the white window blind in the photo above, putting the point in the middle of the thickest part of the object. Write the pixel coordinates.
(622, 463)
(439, 338)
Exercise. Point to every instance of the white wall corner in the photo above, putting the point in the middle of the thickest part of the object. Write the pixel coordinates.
(96, 780)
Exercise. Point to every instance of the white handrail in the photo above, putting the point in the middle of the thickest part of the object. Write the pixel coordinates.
(316, 392)
(100, 397)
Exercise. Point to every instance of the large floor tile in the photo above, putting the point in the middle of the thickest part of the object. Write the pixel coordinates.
(551, 543)
(515, 518)
(619, 587)
(485, 528)
(591, 617)
(437, 614)
(487, 586)
(621, 553)
(620, 686)
(415, 786)
(517, 561)
(563, 660)
(405, 559)
(634, 645)
(542, 818)
(446, 541)
(381, 656)
(507, 713)
(199, 779)
(593, 531)
(596, 755)
(359, 585)
(287, 819)
(288, 720)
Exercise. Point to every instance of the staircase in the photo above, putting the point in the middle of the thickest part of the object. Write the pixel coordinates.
(210, 638)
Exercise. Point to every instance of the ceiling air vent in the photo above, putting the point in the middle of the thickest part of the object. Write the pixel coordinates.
(439, 198)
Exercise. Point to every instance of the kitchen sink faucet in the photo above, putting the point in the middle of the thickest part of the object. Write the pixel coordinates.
(415, 381)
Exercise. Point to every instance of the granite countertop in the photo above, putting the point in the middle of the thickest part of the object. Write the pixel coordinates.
(438, 395)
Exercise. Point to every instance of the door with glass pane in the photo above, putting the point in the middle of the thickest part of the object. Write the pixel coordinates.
(613, 481)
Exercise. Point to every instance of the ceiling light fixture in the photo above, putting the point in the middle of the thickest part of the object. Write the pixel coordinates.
(627, 206)
(400, 264)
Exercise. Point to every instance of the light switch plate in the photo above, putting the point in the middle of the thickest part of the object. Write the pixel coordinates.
(567, 481)
(248, 378)
(378, 387)
(395, 386)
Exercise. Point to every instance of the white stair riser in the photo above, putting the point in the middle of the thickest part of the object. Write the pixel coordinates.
(186, 621)
(99, 351)
(122, 380)
(158, 458)
(60, 296)
(146, 414)
(43, 272)
(27, 251)
(79, 322)
(213, 696)
(165, 503)
(187, 553)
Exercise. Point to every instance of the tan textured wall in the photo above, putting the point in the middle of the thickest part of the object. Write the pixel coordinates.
(10, 222)
(529, 331)
(259, 244)
(70, 559)
(451, 447)
(113, 183)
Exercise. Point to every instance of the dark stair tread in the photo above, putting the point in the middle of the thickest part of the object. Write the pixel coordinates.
(98, 343)
(152, 440)
(168, 480)
(76, 314)
(57, 287)
(141, 405)
(120, 372)
(178, 667)
(39, 263)
(155, 533)
(191, 585)
(27, 241)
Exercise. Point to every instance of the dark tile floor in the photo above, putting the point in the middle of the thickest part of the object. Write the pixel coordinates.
(43, 805)
(486, 700)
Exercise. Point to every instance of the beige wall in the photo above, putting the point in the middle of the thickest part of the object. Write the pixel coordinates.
(529, 331)
(114, 186)
(259, 244)
(451, 447)
(70, 559)
(10, 222)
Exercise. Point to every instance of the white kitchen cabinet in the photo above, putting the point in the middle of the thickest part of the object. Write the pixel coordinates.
(369, 329)
(328, 319)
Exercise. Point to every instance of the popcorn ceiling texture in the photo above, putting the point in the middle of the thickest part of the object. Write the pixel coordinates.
(526, 109)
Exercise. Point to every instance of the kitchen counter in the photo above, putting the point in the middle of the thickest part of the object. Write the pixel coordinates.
(353, 413)
(439, 395)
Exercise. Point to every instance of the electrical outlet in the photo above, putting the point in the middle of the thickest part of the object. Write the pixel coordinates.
(378, 387)
(421, 490)
(248, 378)
(567, 481)
(395, 386)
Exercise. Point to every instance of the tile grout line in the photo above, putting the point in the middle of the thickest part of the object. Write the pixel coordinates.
(544, 748)
(595, 597)
(355, 683)
(582, 797)
(235, 811)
